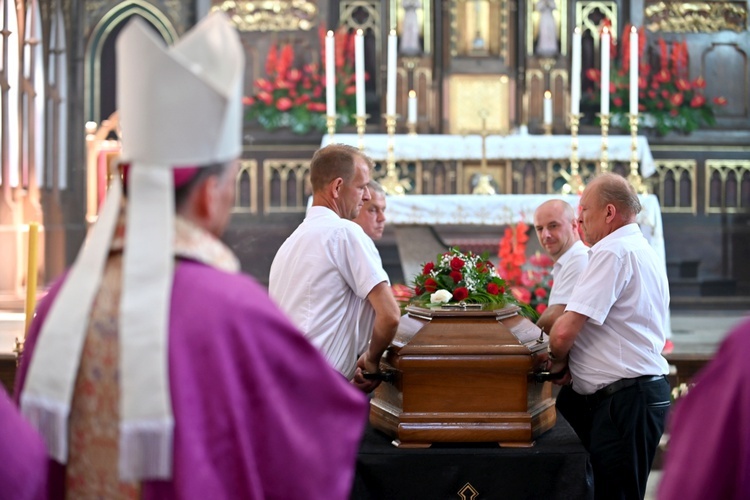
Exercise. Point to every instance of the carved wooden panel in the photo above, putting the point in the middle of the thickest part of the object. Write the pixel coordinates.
(677, 186)
(695, 17)
(727, 186)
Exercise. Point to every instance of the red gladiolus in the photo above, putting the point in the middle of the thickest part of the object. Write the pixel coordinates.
(617, 101)
(265, 97)
(612, 88)
(540, 292)
(720, 101)
(699, 83)
(263, 84)
(285, 60)
(457, 263)
(540, 308)
(294, 75)
(318, 107)
(350, 90)
(677, 99)
(697, 101)
(663, 76)
(427, 269)
(460, 293)
(271, 60)
(456, 276)
(659, 105)
(682, 84)
(283, 104)
(593, 74)
(641, 107)
(521, 294)
(642, 82)
(652, 94)
(492, 289)
(248, 101)
(430, 285)
(674, 112)
(540, 259)
(317, 91)
(665, 94)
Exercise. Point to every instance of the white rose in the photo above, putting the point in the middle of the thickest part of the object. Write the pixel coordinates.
(441, 296)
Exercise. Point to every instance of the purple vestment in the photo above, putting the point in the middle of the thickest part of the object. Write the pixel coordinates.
(708, 454)
(23, 458)
(258, 412)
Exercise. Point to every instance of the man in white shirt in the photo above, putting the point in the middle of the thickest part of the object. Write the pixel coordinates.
(556, 227)
(328, 272)
(610, 338)
(372, 215)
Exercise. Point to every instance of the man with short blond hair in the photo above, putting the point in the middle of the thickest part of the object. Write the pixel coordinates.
(372, 215)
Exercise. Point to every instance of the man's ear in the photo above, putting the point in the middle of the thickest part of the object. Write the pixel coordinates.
(205, 195)
(611, 212)
(336, 185)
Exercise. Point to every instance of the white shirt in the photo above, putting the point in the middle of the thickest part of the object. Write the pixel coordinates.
(566, 272)
(625, 293)
(320, 278)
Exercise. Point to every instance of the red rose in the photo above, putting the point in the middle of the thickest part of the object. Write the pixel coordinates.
(540, 293)
(501, 290)
(492, 289)
(430, 285)
(418, 290)
(460, 293)
(456, 276)
(697, 101)
(427, 269)
(457, 264)
(283, 104)
(540, 308)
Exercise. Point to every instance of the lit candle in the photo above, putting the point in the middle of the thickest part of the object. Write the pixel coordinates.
(31, 274)
(604, 49)
(412, 116)
(633, 71)
(547, 107)
(330, 75)
(390, 97)
(359, 71)
(575, 74)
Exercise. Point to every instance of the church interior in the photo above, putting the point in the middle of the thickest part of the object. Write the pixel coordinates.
(481, 109)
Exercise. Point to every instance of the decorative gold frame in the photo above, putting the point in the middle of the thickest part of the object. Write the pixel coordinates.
(677, 168)
(725, 167)
(284, 167)
(396, 12)
(471, 94)
(532, 23)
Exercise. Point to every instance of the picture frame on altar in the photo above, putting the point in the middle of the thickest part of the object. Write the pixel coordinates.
(413, 26)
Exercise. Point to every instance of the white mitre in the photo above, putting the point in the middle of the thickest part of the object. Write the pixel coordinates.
(178, 106)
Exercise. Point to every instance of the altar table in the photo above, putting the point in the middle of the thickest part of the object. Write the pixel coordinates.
(509, 147)
(557, 466)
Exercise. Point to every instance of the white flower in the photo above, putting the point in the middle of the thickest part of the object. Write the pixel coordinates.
(441, 296)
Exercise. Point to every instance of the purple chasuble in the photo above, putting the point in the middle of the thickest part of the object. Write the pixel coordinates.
(259, 413)
(23, 457)
(708, 454)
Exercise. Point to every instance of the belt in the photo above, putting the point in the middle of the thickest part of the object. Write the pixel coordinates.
(619, 385)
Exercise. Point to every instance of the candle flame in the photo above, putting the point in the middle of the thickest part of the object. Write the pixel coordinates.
(412, 93)
(577, 30)
(633, 29)
(392, 33)
(547, 94)
(360, 32)
(330, 33)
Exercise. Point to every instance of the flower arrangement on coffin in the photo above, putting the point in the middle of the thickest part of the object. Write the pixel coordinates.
(295, 97)
(403, 295)
(530, 280)
(667, 98)
(456, 277)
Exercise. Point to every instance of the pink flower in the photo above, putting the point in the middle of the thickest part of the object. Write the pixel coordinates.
(284, 104)
(697, 101)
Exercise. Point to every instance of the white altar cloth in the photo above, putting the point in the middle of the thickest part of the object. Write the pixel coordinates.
(510, 147)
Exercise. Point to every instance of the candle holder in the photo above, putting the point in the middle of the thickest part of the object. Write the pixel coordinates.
(634, 177)
(547, 128)
(361, 121)
(411, 128)
(331, 125)
(604, 161)
(574, 184)
(391, 181)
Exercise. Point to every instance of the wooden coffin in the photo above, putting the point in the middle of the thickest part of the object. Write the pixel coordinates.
(463, 376)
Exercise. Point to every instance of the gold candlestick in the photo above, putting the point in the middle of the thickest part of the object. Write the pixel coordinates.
(411, 128)
(634, 177)
(604, 161)
(574, 184)
(331, 125)
(547, 128)
(391, 182)
(361, 121)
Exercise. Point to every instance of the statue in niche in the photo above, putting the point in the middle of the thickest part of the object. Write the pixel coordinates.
(546, 41)
(410, 33)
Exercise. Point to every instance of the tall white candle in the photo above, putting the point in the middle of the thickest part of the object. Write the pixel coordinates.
(633, 71)
(575, 74)
(390, 96)
(547, 108)
(359, 71)
(604, 49)
(412, 115)
(330, 75)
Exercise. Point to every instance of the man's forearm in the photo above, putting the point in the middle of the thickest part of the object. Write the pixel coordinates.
(564, 333)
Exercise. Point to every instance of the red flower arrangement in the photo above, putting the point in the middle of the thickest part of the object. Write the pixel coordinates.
(530, 280)
(295, 97)
(667, 98)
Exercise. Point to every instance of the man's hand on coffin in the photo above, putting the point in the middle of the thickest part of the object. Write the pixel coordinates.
(558, 366)
(365, 365)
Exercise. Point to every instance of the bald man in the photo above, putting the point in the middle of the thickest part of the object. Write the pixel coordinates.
(610, 338)
(556, 227)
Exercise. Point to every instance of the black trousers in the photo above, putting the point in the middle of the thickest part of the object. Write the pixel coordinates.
(621, 432)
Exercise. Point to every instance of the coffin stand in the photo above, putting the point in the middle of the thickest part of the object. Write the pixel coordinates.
(463, 376)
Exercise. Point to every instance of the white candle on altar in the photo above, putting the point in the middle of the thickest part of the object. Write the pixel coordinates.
(412, 115)
(575, 74)
(547, 107)
(604, 49)
(359, 71)
(390, 96)
(330, 75)
(633, 71)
